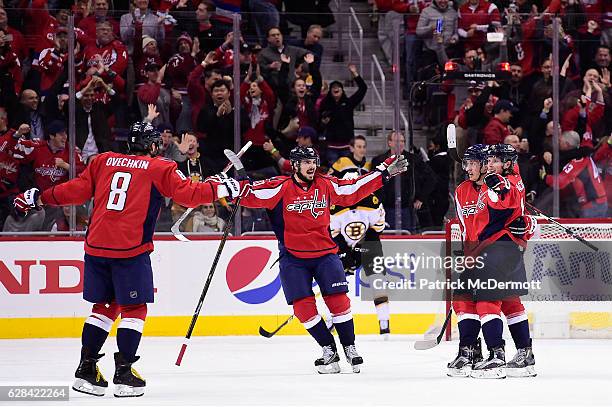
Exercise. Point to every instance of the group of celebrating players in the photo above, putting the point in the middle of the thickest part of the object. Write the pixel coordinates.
(118, 276)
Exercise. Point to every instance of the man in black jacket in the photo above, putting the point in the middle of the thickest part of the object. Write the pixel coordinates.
(424, 183)
(93, 134)
(337, 115)
(217, 122)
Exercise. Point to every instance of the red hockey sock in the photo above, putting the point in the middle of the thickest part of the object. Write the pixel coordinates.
(340, 307)
(305, 309)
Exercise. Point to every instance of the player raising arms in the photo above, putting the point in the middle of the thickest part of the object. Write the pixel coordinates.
(486, 206)
(128, 190)
(502, 159)
(299, 209)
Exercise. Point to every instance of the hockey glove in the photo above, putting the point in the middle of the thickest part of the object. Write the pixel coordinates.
(26, 201)
(496, 183)
(522, 227)
(392, 166)
(227, 187)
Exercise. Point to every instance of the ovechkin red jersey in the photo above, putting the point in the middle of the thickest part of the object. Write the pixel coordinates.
(484, 215)
(300, 213)
(128, 191)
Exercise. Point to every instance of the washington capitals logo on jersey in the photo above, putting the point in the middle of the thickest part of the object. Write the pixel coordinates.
(473, 207)
(53, 173)
(309, 204)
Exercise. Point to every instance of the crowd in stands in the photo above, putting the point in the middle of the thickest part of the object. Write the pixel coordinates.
(518, 111)
(171, 62)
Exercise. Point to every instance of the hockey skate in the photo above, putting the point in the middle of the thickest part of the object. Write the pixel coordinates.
(128, 382)
(89, 380)
(328, 363)
(494, 367)
(461, 366)
(385, 329)
(353, 358)
(522, 364)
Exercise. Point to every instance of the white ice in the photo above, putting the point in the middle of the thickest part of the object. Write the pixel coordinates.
(279, 371)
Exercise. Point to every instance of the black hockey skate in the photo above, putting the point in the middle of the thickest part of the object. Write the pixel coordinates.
(328, 363)
(128, 382)
(89, 380)
(353, 358)
(385, 328)
(522, 364)
(477, 353)
(461, 366)
(494, 367)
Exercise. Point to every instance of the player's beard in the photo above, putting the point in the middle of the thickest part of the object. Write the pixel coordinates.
(302, 177)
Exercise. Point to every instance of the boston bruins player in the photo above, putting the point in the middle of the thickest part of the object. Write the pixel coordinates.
(356, 229)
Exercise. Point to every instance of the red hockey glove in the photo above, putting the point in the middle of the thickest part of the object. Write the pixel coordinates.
(26, 201)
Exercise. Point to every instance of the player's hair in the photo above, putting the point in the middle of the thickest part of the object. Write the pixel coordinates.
(358, 137)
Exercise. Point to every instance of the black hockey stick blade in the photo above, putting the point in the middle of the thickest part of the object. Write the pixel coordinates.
(267, 334)
(432, 343)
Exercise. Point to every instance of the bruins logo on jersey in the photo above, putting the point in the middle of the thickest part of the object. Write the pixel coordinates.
(355, 230)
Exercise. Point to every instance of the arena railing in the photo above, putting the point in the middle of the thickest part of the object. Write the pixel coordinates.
(356, 40)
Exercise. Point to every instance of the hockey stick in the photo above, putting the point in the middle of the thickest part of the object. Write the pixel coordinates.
(566, 229)
(432, 343)
(175, 229)
(235, 161)
(267, 334)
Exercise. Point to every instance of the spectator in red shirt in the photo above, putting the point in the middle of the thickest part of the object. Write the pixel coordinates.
(259, 102)
(497, 129)
(475, 17)
(146, 51)
(580, 177)
(9, 62)
(89, 23)
(18, 42)
(36, 23)
(51, 60)
(51, 163)
(180, 65)
(153, 93)
(9, 165)
(113, 52)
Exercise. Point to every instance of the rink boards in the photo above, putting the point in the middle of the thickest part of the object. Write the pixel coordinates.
(41, 291)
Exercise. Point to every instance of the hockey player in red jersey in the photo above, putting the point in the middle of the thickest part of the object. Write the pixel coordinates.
(486, 205)
(128, 191)
(502, 159)
(299, 209)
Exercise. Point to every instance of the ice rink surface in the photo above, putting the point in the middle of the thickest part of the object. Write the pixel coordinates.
(279, 371)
